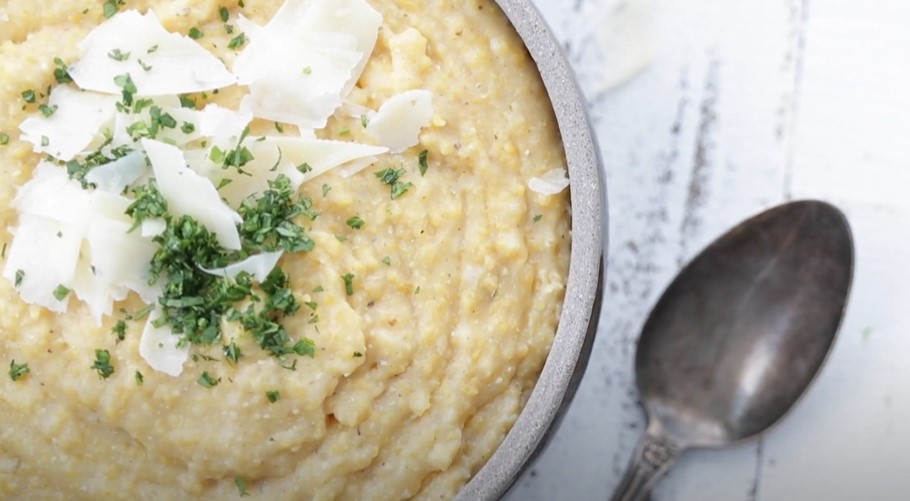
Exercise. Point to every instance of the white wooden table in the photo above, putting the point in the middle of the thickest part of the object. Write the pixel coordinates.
(740, 105)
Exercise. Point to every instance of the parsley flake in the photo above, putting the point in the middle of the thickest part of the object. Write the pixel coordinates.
(61, 292)
(20, 274)
(538, 217)
(17, 371)
(111, 7)
(4, 139)
(355, 222)
(103, 364)
(47, 111)
(348, 284)
(61, 72)
(139, 378)
(29, 96)
(224, 14)
(119, 330)
(241, 486)
(273, 396)
(206, 381)
(232, 352)
(195, 33)
(422, 162)
(127, 86)
(118, 55)
(392, 178)
(237, 42)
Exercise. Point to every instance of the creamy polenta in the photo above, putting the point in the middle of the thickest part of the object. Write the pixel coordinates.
(431, 313)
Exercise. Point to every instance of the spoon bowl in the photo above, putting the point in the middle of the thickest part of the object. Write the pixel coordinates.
(740, 334)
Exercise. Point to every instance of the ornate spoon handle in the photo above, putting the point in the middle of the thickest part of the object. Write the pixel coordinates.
(653, 457)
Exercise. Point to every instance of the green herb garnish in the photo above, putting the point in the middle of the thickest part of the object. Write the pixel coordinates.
(61, 292)
(195, 33)
(111, 7)
(4, 139)
(139, 378)
(392, 178)
(208, 381)
(422, 162)
(241, 486)
(17, 371)
(20, 274)
(127, 86)
(119, 330)
(224, 14)
(29, 96)
(118, 55)
(348, 284)
(103, 364)
(61, 71)
(237, 42)
(273, 396)
(355, 222)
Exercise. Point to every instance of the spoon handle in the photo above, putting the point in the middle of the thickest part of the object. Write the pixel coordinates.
(653, 457)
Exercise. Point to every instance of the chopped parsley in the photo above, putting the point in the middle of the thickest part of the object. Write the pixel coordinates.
(17, 371)
(187, 128)
(422, 162)
(364, 121)
(187, 102)
(273, 396)
(103, 364)
(207, 381)
(119, 330)
(237, 42)
(47, 111)
(61, 292)
(4, 139)
(392, 177)
(111, 7)
(357, 354)
(149, 204)
(268, 221)
(61, 71)
(308, 70)
(325, 190)
(77, 170)
(236, 158)
(387, 261)
(224, 14)
(118, 55)
(195, 33)
(20, 274)
(29, 96)
(279, 128)
(344, 131)
(45, 141)
(348, 284)
(127, 86)
(152, 49)
(145, 67)
(232, 352)
(355, 222)
(139, 378)
(538, 217)
(241, 486)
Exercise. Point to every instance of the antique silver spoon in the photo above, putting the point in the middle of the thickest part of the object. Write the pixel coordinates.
(738, 336)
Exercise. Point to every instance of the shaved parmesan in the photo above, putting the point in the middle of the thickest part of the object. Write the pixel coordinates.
(188, 193)
(218, 122)
(152, 227)
(302, 64)
(259, 266)
(551, 183)
(115, 176)
(276, 155)
(78, 119)
(52, 195)
(158, 346)
(178, 65)
(44, 253)
(399, 120)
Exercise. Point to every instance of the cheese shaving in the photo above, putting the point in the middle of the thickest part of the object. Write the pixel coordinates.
(176, 64)
(399, 120)
(259, 266)
(159, 347)
(188, 193)
(77, 119)
(551, 183)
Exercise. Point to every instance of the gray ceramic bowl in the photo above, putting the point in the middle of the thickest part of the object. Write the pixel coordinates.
(578, 323)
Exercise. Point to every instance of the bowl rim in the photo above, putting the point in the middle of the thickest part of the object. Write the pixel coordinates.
(577, 326)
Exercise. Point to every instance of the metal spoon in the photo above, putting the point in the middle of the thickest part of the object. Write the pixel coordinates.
(738, 336)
